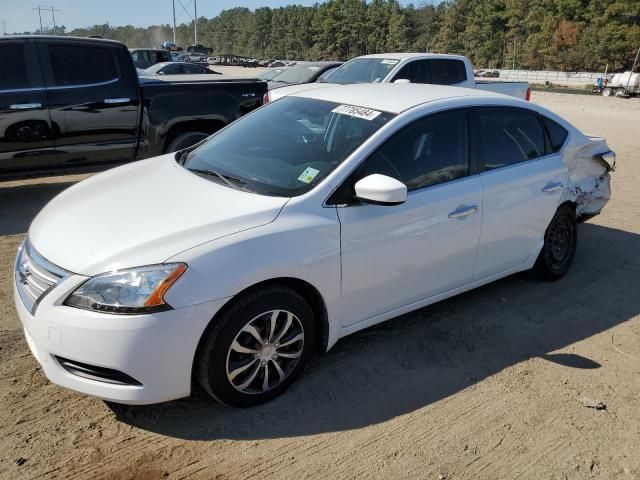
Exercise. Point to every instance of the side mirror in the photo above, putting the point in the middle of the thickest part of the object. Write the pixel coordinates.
(381, 190)
(402, 80)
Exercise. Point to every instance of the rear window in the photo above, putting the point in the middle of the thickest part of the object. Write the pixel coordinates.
(447, 71)
(16, 75)
(82, 65)
(557, 133)
(508, 137)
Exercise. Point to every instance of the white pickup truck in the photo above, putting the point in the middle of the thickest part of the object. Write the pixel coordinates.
(433, 68)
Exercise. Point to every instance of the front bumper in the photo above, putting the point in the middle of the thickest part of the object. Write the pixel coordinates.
(157, 349)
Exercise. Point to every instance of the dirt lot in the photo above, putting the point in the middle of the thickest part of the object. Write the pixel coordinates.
(485, 385)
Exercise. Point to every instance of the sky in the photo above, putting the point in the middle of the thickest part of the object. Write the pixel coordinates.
(19, 15)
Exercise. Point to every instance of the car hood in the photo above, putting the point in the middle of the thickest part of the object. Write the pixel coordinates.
(276, 93)
(142, 214)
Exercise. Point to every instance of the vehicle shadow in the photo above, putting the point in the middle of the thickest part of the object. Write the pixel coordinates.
(431, 354)
(20, 204)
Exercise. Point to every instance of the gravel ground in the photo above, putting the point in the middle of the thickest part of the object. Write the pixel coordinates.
(496, 383)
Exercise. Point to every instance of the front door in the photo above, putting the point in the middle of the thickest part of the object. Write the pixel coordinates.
(393, 256)
(26, 134)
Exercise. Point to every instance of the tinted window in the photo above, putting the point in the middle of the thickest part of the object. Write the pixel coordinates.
(431, 150)
(508, 137)
(161, 56)
(81, 65)
(14, 76)
(557, 133)
(171, 70)
(288, 146)
(192, 69)
(447, 72)
(416, 72)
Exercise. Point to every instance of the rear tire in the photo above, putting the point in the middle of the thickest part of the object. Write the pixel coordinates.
(185, 140)
(560, 241)
(257, 347)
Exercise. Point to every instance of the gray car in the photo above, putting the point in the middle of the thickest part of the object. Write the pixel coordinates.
(303, 73)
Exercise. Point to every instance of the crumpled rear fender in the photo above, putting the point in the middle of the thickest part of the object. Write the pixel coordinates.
(589, 161)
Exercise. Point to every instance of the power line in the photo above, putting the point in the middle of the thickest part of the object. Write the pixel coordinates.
(53, 11)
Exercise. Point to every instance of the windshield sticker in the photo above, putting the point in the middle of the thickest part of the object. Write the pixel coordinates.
(359, 112)
(389, 62)
(308, 175)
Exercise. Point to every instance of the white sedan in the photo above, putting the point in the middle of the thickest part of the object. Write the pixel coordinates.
(314, 217)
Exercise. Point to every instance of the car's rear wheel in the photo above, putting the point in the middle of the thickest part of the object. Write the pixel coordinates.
(560, 240)
(185, 140)
(257, 347)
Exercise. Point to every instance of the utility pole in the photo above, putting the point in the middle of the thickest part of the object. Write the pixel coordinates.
(195, 22)
(40, 17)
(53, 16)
(4, 27)
(173, 4)
(635, 61)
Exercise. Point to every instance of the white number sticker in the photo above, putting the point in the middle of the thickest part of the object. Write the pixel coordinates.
(389, 62)
(359, 112)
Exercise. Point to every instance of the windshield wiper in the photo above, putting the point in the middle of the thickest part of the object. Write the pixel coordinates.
(225, 178)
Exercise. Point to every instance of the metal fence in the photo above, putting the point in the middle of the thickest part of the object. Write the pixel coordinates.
(551, 76)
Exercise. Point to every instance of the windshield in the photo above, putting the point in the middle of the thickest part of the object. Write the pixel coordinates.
(297, 74)
(286, 147)
(269, 74)
(363, 70)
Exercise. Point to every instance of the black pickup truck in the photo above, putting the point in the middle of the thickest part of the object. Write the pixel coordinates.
(68, 101)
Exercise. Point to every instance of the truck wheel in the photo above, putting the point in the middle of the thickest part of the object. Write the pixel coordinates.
(255, 350)
(185, 140)
(607, 92)
(559, 247)
(620, 93)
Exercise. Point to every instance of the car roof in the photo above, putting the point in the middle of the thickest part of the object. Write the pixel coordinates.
(60, 38)
(392, 97)
(408, 55)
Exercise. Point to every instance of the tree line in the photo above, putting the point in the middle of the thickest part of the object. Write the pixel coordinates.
(566, 35)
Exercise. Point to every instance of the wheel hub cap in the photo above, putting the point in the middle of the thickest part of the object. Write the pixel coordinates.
(265, 352)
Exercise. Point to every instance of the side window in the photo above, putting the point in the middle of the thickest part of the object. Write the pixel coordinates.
(416, 72)
(509, 136)
(13, 67)
(557, 133)
(82, 64)
(171, 70)
(429, 151)
(447, 71)
(191, 69)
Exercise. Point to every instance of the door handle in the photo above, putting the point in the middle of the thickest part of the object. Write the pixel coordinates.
(462, 212)
(25, 106)
(115, 101)
(552, 187)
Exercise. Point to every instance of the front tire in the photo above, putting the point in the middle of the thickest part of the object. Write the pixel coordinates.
(607, 92)
(257, 347)
(560, 241)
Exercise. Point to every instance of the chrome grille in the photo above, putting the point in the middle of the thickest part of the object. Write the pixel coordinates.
(35, 276)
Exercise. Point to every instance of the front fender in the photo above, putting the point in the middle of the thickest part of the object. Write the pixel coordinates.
(296, 245)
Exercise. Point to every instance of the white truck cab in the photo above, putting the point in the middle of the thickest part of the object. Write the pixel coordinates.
(433, 68)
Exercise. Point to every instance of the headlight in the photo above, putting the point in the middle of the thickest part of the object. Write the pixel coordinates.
(134, 290)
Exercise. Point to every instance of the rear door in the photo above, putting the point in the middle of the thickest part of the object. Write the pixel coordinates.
(26, 134)
(93, 95)
(523, 180)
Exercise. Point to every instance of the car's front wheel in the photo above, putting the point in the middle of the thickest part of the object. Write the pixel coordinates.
(257, 347)
(560, 240)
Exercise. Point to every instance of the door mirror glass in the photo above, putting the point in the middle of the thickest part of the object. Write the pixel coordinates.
(381, 190)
